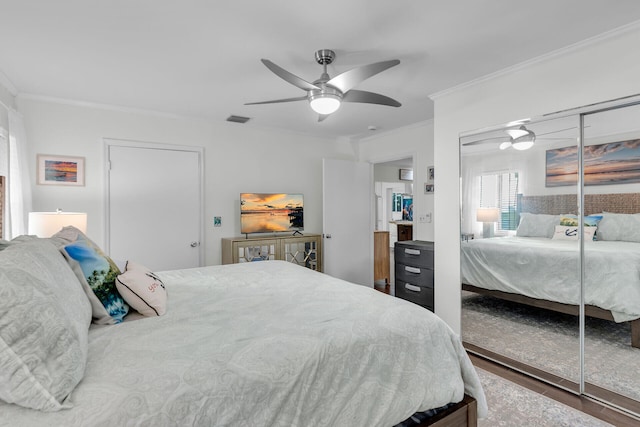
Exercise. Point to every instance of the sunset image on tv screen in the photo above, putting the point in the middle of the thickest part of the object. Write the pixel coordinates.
(262, 212)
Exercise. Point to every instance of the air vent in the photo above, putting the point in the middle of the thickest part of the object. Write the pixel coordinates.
(238, 119)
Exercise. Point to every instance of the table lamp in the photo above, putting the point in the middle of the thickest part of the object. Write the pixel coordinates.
(487, 216)
(46, 224)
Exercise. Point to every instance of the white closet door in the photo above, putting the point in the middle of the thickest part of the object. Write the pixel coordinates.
(154, 206)
(347, 216)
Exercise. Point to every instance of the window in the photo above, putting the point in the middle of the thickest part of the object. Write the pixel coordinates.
(500, 190)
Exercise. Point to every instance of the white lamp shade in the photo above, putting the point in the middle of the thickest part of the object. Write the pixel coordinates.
(487, 214)
(46, 224)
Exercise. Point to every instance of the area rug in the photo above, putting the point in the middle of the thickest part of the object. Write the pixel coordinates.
(549, 341)
(513, 405)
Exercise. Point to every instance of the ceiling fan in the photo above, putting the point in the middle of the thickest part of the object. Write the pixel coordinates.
(519, 138)
(326, 94)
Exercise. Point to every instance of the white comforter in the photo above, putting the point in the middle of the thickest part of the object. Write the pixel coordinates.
(549, 269)
(262, 344)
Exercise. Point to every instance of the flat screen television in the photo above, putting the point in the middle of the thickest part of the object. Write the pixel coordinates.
(271, 212)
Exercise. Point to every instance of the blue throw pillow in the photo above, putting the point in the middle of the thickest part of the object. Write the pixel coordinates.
(100, 273)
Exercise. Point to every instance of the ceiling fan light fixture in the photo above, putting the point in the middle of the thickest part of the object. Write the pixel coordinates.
(523, 143)
(519, 132)
(505, 145)
(324, 103)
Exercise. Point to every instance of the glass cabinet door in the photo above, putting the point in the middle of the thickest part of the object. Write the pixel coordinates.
(250, 251)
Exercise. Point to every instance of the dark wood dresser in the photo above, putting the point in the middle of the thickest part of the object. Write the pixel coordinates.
(414, 272)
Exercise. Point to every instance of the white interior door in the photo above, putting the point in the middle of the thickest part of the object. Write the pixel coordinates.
(154, 206)
(347, 215)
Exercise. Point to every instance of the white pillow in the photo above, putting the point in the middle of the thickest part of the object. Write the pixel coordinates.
(623, 227)
(566, 232)
(142, 290)
(44, 326)
(537, 225)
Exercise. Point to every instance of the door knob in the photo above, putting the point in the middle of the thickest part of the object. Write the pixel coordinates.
(328, 236)
(194, 244)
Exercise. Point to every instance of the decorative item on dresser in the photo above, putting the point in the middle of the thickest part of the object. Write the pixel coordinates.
(303, 250)
(414, 272)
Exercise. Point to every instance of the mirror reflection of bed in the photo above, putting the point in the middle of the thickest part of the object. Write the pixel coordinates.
(522, 276)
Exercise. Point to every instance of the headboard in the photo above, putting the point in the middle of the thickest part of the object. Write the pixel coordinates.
(567, 203)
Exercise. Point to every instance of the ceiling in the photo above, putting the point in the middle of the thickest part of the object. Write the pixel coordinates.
(202, 59)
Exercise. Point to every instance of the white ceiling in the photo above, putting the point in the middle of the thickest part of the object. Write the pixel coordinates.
(202, 58)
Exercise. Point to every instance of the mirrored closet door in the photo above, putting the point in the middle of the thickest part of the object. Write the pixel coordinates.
(550, 251)
(611, 158)
(520, 271)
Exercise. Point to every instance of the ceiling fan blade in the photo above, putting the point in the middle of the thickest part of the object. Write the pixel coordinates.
(369, 98)
(488, 141)
(275, 101)
(351, 78)
(287, 76)
(555, 131)
(321, 117)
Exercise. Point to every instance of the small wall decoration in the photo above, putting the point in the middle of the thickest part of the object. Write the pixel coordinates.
(406, 174)
(60, 170)
(610, 163)
(429, 186)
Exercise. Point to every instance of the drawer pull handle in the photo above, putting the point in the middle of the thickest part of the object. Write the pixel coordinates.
(413, 270)
(412, 251)
(412, 287)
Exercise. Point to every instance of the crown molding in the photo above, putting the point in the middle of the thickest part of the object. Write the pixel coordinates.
(634, 26)
(396, 130)
(87, 104)
(8, 84)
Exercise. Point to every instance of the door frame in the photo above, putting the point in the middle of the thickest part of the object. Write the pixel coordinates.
(114, 142)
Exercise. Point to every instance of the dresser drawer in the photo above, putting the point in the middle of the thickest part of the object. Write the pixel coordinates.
(415, 275)
(413, 255)
(416, 294)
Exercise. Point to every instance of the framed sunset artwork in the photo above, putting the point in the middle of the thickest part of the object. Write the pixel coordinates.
(610, 163)
(60, 170)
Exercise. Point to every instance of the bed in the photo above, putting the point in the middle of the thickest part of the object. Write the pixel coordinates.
(545, 272)
(256, 344)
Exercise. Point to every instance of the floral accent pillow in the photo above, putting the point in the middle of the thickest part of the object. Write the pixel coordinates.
(97, 273)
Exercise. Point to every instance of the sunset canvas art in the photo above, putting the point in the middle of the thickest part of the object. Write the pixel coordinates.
(59, 170)
(610, 163)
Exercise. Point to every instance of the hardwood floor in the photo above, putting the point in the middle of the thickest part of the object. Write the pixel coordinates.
(581, 403)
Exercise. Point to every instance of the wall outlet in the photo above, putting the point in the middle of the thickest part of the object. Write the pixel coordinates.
(217, 221)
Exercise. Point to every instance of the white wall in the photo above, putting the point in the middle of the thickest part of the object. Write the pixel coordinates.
(238, 158)
(412, 141)
(597, 71)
